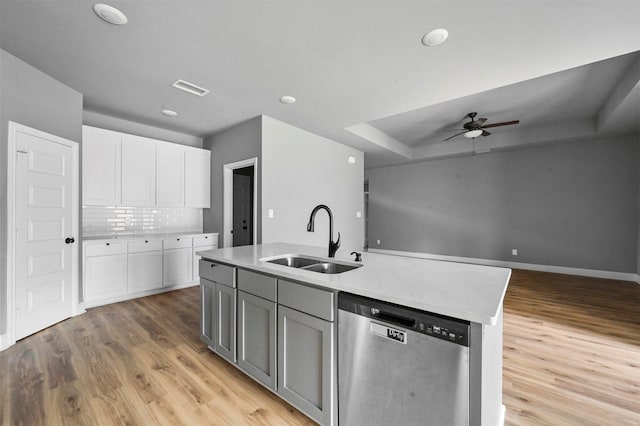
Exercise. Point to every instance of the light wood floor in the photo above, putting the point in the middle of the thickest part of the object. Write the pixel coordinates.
(571, 357)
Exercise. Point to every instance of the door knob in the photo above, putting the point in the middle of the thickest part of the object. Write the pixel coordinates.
(69, 240)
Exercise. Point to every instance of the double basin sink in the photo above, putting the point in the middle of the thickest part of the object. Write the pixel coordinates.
(314, 264)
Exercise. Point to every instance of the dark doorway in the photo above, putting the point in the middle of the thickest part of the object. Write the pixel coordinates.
(242, 228)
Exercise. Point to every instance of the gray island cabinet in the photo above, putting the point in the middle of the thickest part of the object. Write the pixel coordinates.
(283, 320)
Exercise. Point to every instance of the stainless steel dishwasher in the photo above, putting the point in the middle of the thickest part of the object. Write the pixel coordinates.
(400, 366)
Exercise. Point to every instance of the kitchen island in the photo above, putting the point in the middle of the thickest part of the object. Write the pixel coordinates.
(253, 293)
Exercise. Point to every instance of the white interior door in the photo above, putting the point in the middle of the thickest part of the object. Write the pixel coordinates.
(44, 227)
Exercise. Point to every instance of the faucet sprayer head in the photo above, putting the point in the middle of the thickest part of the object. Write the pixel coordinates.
(310, 226)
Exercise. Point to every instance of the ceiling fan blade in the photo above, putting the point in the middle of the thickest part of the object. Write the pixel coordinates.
(480, 121)
(449, 130)
(504, 123)
(451, 137)
(485, 133)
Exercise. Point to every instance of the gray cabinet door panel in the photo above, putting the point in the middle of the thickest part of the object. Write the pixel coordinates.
(207, 313)
(257, 338)
(225, 331)
(306, 362)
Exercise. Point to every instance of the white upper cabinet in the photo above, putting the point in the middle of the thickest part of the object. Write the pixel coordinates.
(101, 175)
(197, 178)
(138, 171)
(169, 175)
(119, 169)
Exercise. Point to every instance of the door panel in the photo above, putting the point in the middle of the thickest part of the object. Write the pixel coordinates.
(43, 218)
(242, 210)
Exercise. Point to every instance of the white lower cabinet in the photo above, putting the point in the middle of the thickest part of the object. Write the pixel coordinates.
(105, 277)
(177, 266)
(144, 271)
(115, 270)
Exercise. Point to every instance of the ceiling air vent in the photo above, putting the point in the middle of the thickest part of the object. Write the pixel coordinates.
(189, 87)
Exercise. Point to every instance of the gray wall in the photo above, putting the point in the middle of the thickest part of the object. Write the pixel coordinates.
(103, 121)
(238, 143)
(32, 98)
(301, 170)
(572, 204)
(638, 243)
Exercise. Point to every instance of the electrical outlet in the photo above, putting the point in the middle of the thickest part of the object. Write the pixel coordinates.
(514, 252)
(358, 214)
(377, 241)
(270, 213)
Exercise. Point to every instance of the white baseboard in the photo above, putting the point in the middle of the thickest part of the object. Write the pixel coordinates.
(4, 341)
(123, 297)
(622, 276)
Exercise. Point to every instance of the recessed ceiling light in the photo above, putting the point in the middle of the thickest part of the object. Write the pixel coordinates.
(110, 14)
(169, 112)
(435, 37)
(288, 100)
(190, 88)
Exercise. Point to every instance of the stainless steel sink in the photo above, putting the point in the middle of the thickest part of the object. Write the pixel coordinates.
(314, 264)
(330, 268)
(294, 262)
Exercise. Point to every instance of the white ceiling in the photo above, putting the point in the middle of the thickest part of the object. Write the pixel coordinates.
(356, 65)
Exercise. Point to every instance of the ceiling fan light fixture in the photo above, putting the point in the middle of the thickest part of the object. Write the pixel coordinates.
(471, 134)
(435, 37)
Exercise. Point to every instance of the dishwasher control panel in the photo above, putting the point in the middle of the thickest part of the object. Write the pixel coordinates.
(431, 324)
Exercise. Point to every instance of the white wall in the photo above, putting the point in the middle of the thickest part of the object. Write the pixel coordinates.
(30, 97)
(301, 170)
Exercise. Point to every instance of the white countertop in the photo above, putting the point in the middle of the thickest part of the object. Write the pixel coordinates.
(146, 236)
(469, 292)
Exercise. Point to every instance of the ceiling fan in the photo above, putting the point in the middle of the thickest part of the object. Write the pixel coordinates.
(474, 128)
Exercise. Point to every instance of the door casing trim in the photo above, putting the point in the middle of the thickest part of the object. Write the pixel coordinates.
(227, 199)
(8, 339)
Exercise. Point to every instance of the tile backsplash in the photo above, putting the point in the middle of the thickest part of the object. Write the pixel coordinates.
(119, 221)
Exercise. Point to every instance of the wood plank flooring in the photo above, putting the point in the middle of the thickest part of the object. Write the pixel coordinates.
(571, 357)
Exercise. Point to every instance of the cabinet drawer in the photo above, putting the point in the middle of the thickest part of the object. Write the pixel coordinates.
(105, 249)
(257, 284)
(206, 240)
(311, 300)
(178, 242)
(217, 272)
(144, 245)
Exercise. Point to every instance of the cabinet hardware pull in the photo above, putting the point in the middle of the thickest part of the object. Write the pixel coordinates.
(212, 265)
(146, 241)
(107, 243)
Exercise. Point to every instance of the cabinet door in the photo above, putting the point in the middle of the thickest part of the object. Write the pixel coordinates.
(207, 312)
(169, 175)
(138, 171)
(101, 177)
(257, 338)
(197, 178)
(105, 277)
(225, 322)
(177, 266)
(306, 361)
(144, 271)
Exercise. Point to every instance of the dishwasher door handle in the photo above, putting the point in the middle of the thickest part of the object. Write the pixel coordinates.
(393, 318)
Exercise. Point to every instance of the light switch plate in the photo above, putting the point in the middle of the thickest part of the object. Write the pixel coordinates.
(270, 213)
